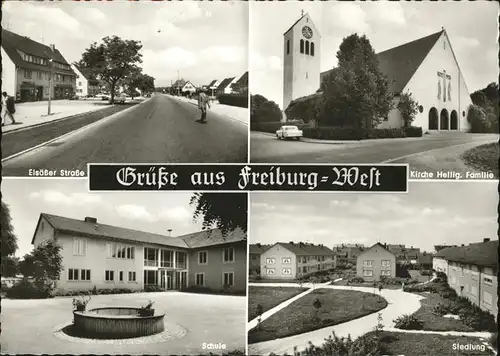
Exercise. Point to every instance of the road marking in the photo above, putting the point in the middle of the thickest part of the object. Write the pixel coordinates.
(435, 149)
(63, 136)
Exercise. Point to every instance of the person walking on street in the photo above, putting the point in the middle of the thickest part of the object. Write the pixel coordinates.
(203, 103)
(8, 107)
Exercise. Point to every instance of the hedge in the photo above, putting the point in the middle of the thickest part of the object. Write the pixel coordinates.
(234, 100)
(28, 290)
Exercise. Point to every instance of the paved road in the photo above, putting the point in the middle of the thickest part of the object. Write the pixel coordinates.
(159, 130)
(431, 153)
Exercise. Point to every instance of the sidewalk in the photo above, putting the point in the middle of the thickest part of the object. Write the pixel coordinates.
(35, 113)
(232, 112)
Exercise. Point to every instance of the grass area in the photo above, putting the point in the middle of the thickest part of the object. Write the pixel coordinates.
(484, 158)
(436, 322)
(395, 343)
(268, 297)
(338, 306)
(366, 285)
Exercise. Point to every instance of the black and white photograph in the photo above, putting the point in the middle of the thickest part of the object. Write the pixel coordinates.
(121, 82)
(121, 273)
(377, 82)
(381, 274)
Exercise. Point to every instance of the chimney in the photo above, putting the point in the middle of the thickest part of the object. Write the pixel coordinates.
(463, 245)
(486, 240)
(52, 47)
(259, 245)
(291, 242)
(90, 220)
(169, 232)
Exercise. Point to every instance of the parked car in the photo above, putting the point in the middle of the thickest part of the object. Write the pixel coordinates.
(120, 99)
(286, 132)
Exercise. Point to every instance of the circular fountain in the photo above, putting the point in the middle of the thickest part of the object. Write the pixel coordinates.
(117, 323)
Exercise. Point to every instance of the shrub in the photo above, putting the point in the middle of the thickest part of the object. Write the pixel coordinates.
(28, 290)
(356, 280)
(234, 100)
(384, 133)
(494, 340)
(413, 131)
(408, 322)
(442, 276)
(153, 288)
(270, 127)
(441, 309)
(334, 133)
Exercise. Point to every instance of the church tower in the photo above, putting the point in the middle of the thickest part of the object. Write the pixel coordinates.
(301, 60)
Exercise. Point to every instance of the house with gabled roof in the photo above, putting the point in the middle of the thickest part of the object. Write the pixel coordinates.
(225, 86)
(240, 86)
(427, 68)
(472, 272)
(291, 260)
(85, 85)
(375, 263)
(255, 251)
(106, 256)
(27, 67)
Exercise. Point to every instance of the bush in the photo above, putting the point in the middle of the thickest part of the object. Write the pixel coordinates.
(356, 280)
(153, 288)
(408, 322)
(494, 341)
(397, 281)
(441, 309)
(333, 133)
(28, 290)
(442, 276)
(425, 272)
(413, 131)
(234, 100)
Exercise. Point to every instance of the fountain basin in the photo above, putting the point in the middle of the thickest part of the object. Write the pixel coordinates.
(117, 323)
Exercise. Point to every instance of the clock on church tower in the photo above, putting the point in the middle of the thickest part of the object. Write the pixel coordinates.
(307, 32)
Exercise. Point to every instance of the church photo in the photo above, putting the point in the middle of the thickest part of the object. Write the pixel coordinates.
(401, 74)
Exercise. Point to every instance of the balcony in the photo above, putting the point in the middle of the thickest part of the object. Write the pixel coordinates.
(150, 263)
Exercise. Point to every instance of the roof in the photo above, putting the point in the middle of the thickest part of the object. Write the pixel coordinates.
(377, 244)
(296, 22)
(12, 42)
(258, 248)
(194, 240)
(306, 249)
(243, 80)
(178, 83)
(484, 254)
(400, 63)
(225, 83)
(212, 83)
(213, 237)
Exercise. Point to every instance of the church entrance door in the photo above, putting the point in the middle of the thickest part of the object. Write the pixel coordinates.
(433, 119)
(454, 120)
(444, 122)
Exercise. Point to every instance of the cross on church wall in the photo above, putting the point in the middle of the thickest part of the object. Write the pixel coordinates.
(444, 91)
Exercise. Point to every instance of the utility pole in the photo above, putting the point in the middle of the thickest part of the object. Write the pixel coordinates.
(178, 86)
(50, 86)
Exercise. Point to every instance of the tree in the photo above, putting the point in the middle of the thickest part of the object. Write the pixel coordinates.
(317, 306)
(138, 81)
(224, 211)
(356, 93)
(408, 108)
(269, 111)
(255, 102)
(112, 60)
(9, 240)
(44, 264)
(476, 116)
(10, 266)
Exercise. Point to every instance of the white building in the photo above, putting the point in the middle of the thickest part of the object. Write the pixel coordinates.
(188, 87)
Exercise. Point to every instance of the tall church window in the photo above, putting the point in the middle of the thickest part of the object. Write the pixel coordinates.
(287, 46)
(301, 46)
(307, 47)
(312, 49)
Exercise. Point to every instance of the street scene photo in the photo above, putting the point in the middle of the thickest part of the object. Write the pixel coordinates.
(374, 274)
(116, 82)
(132, 274)
(376, 82)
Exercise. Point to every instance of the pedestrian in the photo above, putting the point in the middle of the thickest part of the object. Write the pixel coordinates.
(380, 288)
(8, 107)
(203, 103)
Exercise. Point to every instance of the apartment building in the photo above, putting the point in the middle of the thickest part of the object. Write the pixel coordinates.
(255, 251)
(348, 253)
(28, 66)
(106, 256)
(376, 262)
(293, 260)
(472, 272)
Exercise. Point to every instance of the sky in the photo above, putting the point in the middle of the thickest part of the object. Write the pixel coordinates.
(182, 36)
(471, 26)
(431, 213)
(150, 212)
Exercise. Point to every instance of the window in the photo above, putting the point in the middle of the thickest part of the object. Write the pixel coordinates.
(228, 255)
(386, 263)
(167, 258)
(39, 75)
(386, 118)
(473, 290)
(132, 277)
(114, 250)
(202, 257)
(110, 276)
(287, 271)
(307, 47)
(270, 261)
(487, 298)
(287, 46)
(150, 257)
(130, 253)
(27, 74)
(312, 49)
(73, 274)
(79, 84)
(474, 275)
(385, 273)
(200, 279)
(120, 276)
(79, 247)
(270, 271)
(367, 273)
(286, 260)
(304, 269)
(367, 263)
(228, 279)
(301, 46)
(488, 281)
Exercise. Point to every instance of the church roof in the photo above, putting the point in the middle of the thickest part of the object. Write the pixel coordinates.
(400, 63)
(296, 22)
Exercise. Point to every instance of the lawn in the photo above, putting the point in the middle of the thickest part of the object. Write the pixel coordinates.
(484, 158)
(268, 298)
(338, 306)
(435, 322)
(366, 285)
(428, 344)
